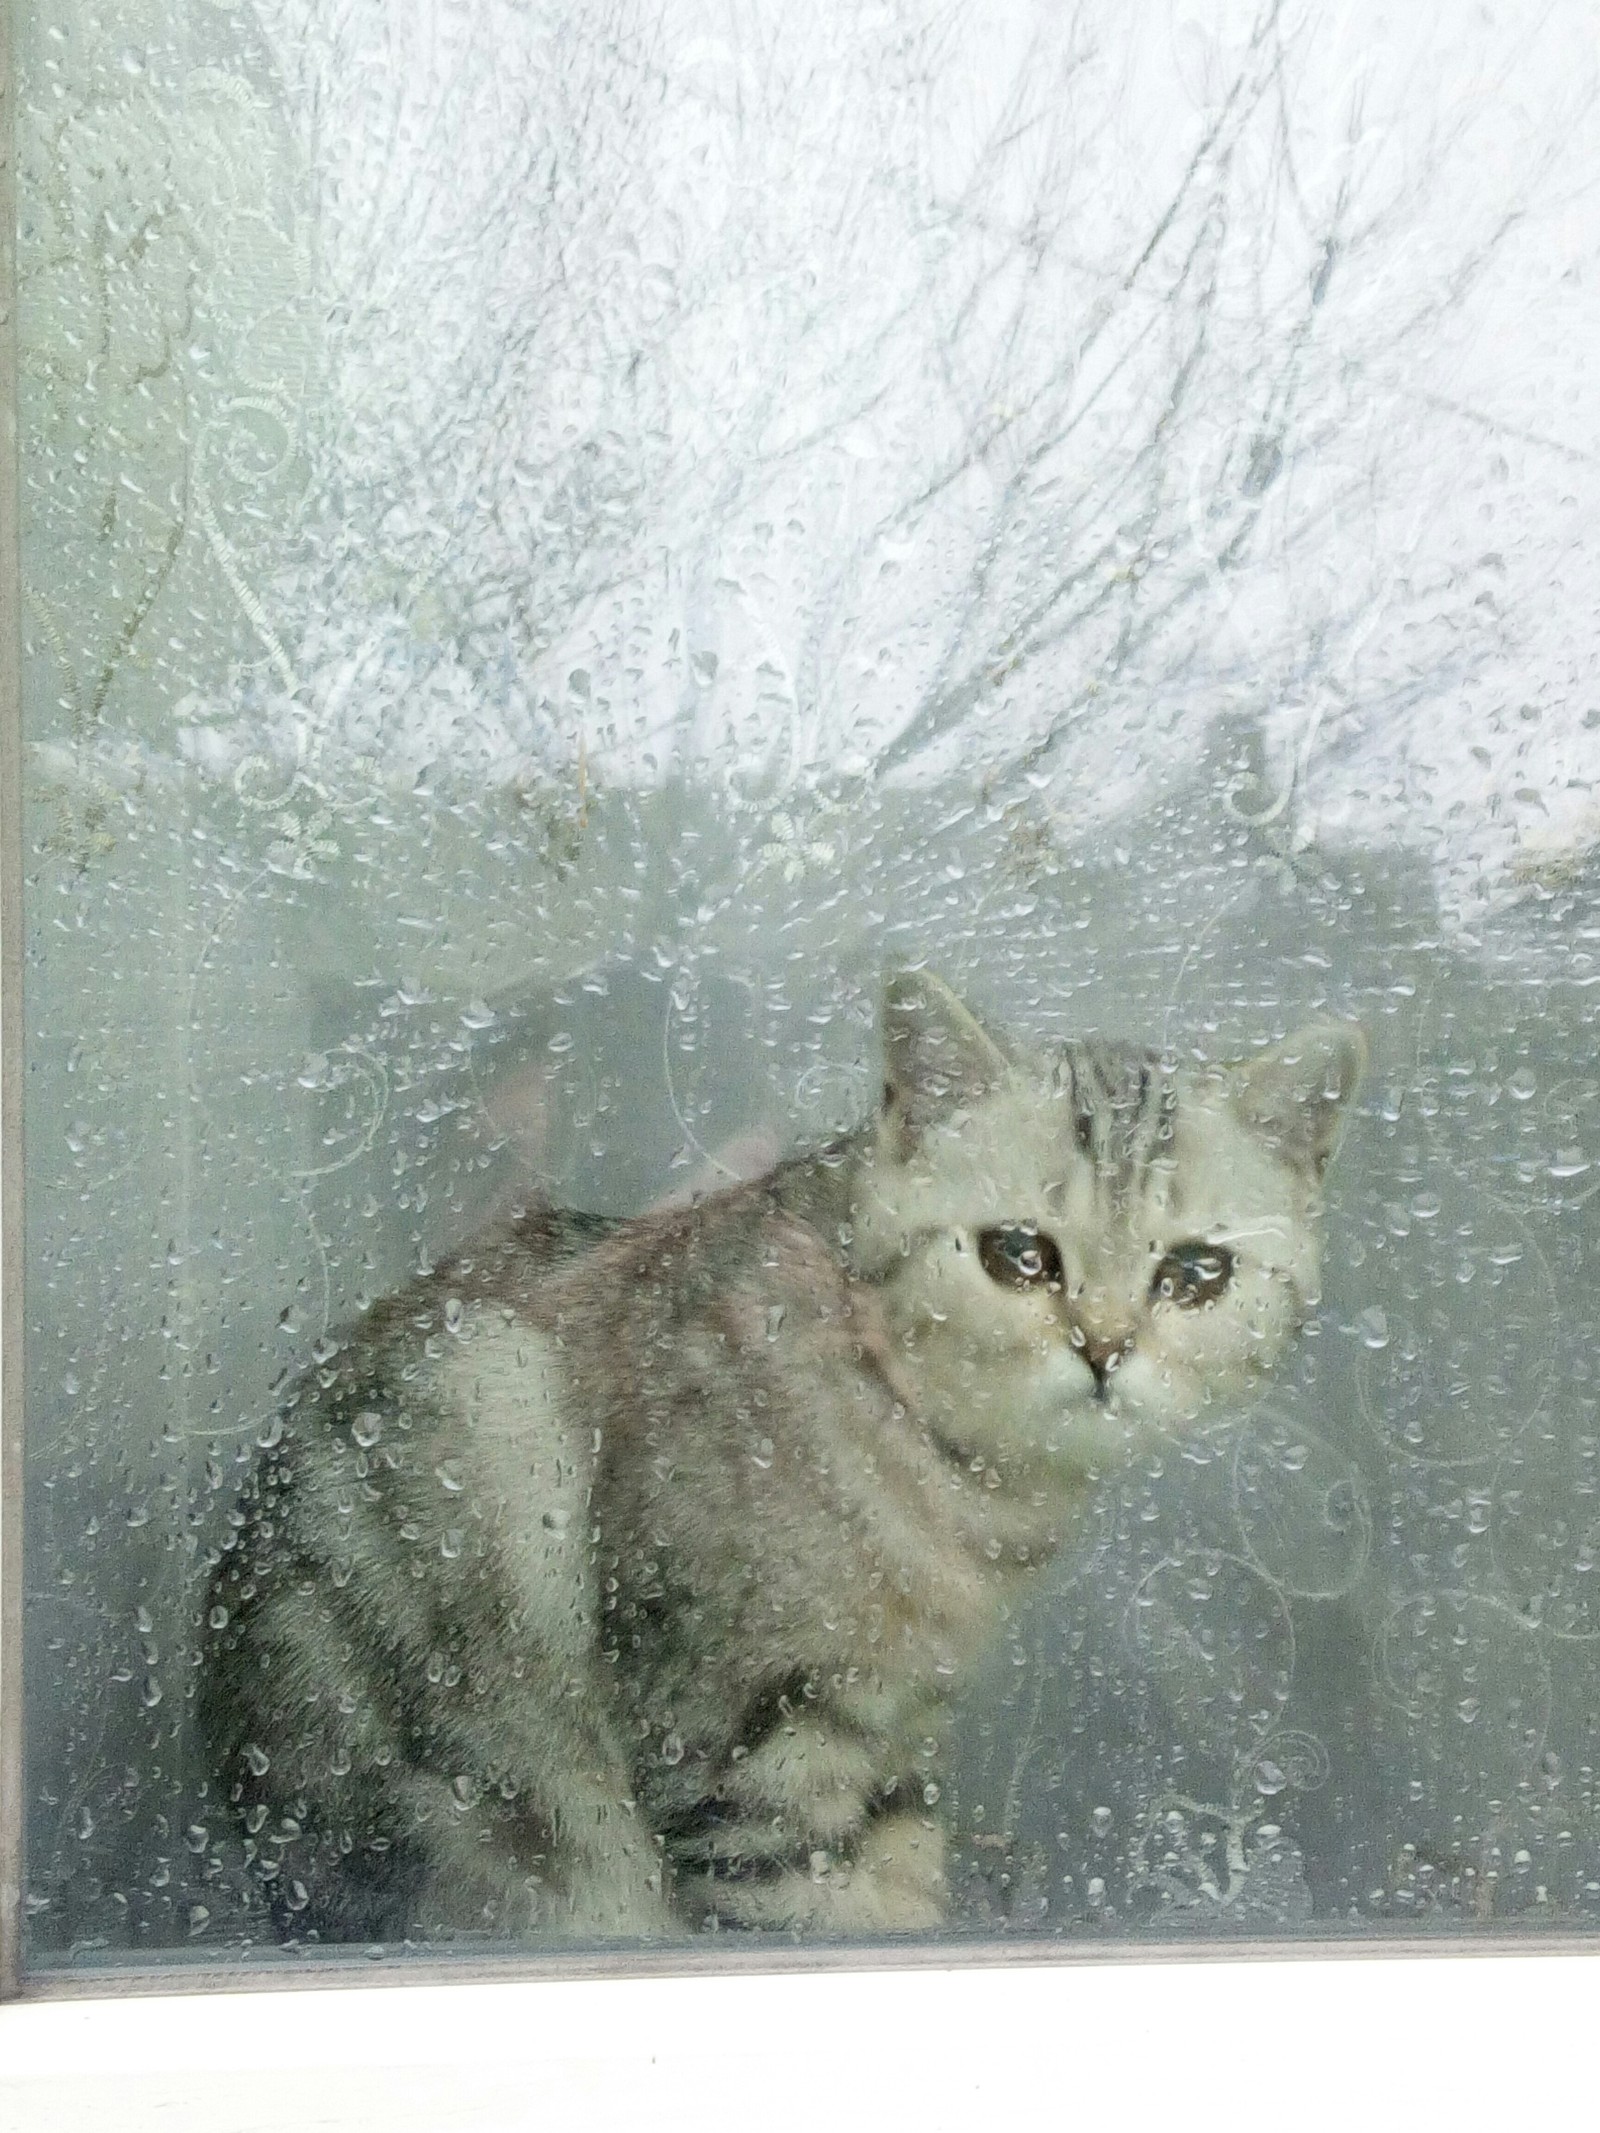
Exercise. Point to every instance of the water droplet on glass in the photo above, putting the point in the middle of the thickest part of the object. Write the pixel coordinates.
(1101, 1818)
(367, 1428)
(1373, 1326)
(258, 1759)
(1340, 1506)
(672, 1749)
(1522, 1085)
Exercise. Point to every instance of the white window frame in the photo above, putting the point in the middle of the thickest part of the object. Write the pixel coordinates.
(920, 2038)
(1191, 2046)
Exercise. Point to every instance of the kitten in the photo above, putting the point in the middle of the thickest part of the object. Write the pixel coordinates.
(615, 1577)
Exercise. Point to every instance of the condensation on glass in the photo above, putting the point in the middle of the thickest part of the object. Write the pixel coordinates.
(564, 546)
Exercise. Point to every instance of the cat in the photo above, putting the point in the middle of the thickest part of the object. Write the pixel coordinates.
(613, 1579)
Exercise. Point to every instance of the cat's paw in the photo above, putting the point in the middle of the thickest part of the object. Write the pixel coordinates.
(892, 1881)
(896, 1882)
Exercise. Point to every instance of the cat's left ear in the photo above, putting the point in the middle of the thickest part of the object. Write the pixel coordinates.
(1297, 1094)
(937, 1056)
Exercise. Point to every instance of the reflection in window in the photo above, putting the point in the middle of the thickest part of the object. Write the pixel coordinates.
(981, 622)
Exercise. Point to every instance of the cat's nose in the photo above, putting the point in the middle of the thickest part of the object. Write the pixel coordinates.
(1103, 1353)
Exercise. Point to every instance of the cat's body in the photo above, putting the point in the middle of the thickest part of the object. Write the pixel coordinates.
(615, 1577)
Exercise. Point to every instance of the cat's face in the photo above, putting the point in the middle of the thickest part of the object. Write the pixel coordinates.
(1075, 1249)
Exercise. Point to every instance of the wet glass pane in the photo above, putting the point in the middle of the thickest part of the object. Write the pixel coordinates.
(812, 963)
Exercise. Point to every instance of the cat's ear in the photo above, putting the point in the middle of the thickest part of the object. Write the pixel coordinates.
(937, 1056)
(1296, 1095)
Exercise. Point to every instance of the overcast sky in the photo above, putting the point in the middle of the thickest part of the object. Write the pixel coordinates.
(1003, 387)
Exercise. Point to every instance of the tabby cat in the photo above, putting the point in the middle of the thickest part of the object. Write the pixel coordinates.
(613, 1579)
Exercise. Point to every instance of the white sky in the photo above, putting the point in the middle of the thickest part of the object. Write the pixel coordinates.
(647, 364)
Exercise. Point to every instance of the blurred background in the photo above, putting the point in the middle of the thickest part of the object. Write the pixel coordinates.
(560, 542)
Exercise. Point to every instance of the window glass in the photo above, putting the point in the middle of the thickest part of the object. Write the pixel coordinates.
(812, 955)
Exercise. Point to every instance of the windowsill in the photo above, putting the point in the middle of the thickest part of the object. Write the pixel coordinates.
(1194, 2043)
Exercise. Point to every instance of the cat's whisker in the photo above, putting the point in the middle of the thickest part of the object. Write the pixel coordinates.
(1250, 1233)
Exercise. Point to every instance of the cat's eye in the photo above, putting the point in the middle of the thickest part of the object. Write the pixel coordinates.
(1020, 1256)
(1192, 1274)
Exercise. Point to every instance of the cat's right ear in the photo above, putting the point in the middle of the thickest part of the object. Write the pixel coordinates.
(1296, 1095)
(937, 1057)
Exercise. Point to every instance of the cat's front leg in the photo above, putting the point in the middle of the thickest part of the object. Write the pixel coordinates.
(805, 1831)
(891, 1879)
(580, 1863)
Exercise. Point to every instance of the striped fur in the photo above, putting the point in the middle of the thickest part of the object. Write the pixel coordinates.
(1124, 1101)
(615, 1578)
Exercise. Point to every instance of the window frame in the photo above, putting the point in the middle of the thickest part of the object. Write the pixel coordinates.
(11, 1003)
(358, 2043)
(1186, 2042)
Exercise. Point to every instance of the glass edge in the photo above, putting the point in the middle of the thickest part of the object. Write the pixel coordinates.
(11, 1317)
(141, 1977)
(137, 1978)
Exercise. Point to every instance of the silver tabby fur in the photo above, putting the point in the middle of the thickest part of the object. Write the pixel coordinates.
(613, 1579)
